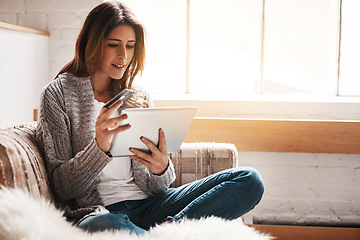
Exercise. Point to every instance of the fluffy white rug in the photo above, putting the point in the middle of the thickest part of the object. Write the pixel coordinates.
(23, 217)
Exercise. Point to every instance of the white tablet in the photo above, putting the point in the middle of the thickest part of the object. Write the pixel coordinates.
(175, 121)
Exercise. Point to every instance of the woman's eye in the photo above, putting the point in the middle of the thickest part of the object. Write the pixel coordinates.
(130, 46)
(112, 45)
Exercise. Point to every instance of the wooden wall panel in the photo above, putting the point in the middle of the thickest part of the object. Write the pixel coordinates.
(279, 135)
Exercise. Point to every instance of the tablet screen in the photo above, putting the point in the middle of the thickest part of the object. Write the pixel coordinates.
(175, 121)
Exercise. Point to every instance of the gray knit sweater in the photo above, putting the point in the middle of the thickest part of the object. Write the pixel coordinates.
(66, 136)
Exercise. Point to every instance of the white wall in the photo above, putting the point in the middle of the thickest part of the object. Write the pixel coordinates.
(22, 77)
(320, 189)
(23, 72)
(306, 188)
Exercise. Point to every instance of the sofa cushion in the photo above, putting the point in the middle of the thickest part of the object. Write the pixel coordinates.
(21, 164)
(198, 160)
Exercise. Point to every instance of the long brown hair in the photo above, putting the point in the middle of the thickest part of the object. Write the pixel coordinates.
(88, 49)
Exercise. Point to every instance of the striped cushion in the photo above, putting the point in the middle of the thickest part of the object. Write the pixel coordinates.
(197, 160)
(21, 165)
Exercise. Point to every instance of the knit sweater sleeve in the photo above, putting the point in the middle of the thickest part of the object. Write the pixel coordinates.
(70, 176)
(150, 183)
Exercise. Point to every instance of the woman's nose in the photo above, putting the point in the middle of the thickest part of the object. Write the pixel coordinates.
(122, 53)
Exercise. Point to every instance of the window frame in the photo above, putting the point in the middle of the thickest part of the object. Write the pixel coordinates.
(265, 107)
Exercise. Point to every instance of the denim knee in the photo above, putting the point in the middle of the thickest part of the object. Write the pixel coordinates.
(257, 182)
(253, 181)
(109, 221)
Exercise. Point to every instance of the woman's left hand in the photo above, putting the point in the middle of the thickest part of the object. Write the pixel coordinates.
(157, 161)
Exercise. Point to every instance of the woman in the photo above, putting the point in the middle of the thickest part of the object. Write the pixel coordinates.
(97, 191)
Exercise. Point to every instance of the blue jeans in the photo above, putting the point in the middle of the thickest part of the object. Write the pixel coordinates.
(227, 194)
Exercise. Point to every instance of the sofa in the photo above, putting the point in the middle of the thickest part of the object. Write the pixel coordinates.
(22, 166)
(26, 201)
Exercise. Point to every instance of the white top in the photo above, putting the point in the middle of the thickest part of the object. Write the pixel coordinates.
(117, 180)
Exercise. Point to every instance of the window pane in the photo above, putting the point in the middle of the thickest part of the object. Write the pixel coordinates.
(165, 22)
(300, 49)
(350, 48)
(225, 45)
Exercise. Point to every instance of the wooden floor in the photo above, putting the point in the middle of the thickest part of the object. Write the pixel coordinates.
(309, 233)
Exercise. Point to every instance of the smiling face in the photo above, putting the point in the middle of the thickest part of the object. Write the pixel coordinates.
(118, 51)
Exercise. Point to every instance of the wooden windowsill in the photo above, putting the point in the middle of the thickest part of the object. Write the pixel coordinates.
(23, 29)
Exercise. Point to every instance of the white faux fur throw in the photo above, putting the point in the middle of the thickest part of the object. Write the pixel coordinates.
(26, 218)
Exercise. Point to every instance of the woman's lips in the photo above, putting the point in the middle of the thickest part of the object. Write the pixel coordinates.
(118, 65)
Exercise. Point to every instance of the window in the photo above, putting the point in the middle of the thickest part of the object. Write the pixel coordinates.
(166, 52)
(256, 52)
(300, 47)
(225, 46)
(251, 46)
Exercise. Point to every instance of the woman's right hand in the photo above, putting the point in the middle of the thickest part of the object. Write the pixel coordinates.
(106, 126)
